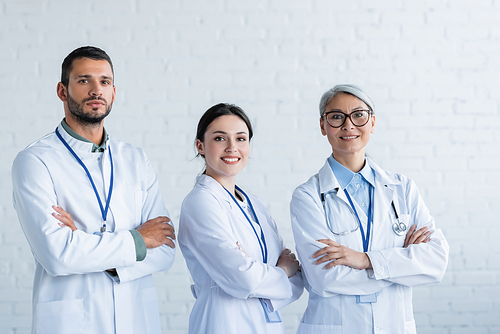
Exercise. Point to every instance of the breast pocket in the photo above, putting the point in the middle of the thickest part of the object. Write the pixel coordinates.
(60, 317)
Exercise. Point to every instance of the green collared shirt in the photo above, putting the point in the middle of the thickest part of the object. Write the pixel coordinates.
(95, 147)
(140, 245)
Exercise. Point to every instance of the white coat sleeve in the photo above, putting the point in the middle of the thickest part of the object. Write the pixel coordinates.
(206, 231)
(58, 250)
(297, 285)
(309, 225)
(417, 264)
(296, 281)
(157, 259)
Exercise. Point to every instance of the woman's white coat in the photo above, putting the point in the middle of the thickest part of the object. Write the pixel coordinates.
(332, 304)
(228, 284)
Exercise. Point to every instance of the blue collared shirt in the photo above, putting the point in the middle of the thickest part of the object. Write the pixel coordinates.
(357, 184)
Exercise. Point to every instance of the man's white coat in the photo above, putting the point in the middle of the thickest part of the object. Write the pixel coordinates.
(72, 293)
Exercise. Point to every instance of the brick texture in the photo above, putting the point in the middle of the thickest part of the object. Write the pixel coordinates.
(432, 68)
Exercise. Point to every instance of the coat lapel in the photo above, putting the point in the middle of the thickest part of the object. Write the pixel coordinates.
(383, 196)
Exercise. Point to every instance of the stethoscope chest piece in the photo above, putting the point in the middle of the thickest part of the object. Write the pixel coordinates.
(399, 227)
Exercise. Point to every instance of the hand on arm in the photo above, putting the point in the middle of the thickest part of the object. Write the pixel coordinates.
(157, 232)
(413, 237)
(288, 262)
(64, 217)
(66, 220)
(241, 249)
(337, 255)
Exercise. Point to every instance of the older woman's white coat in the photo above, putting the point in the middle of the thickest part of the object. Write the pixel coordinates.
(332, 304)
(72, 293)
(227, 282)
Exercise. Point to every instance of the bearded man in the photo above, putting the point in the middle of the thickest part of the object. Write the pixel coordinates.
(91, 209)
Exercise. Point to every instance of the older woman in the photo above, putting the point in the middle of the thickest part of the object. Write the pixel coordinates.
(363, 235)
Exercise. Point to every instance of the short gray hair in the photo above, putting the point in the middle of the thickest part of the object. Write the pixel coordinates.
(344, 88)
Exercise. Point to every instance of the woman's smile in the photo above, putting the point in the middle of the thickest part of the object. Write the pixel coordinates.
(231, 160)
(348, 137)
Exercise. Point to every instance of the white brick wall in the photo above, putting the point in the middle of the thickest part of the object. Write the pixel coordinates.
(432, 68)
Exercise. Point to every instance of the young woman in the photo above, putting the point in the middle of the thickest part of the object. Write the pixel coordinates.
(363, 235)
(241, 270)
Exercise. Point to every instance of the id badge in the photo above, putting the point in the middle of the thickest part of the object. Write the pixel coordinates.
(366, 298)
(273, 317)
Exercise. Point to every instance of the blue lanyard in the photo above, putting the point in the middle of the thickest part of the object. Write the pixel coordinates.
(365, 238)
(271, 317)
(104, 210)
(262, 239)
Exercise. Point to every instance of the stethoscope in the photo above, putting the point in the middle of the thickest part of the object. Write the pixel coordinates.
(323, 201)
(399, 227)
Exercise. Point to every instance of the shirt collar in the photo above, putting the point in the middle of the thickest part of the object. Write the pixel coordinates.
(95, 147)
(344, 175)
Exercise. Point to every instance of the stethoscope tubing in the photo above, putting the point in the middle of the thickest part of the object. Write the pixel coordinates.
(323, 201)
(399, 227)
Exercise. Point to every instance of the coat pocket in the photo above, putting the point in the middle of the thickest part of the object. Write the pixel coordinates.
(60, 317)
(319, 329)
(151, 311)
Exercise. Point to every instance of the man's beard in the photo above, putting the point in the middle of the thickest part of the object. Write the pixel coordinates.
(87, 119)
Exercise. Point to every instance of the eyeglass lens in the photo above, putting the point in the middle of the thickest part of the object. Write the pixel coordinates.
(358, 118)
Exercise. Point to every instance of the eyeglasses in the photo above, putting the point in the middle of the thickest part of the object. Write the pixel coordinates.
(337, 118)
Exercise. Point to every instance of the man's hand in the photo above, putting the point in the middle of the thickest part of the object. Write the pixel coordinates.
(157, 232)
